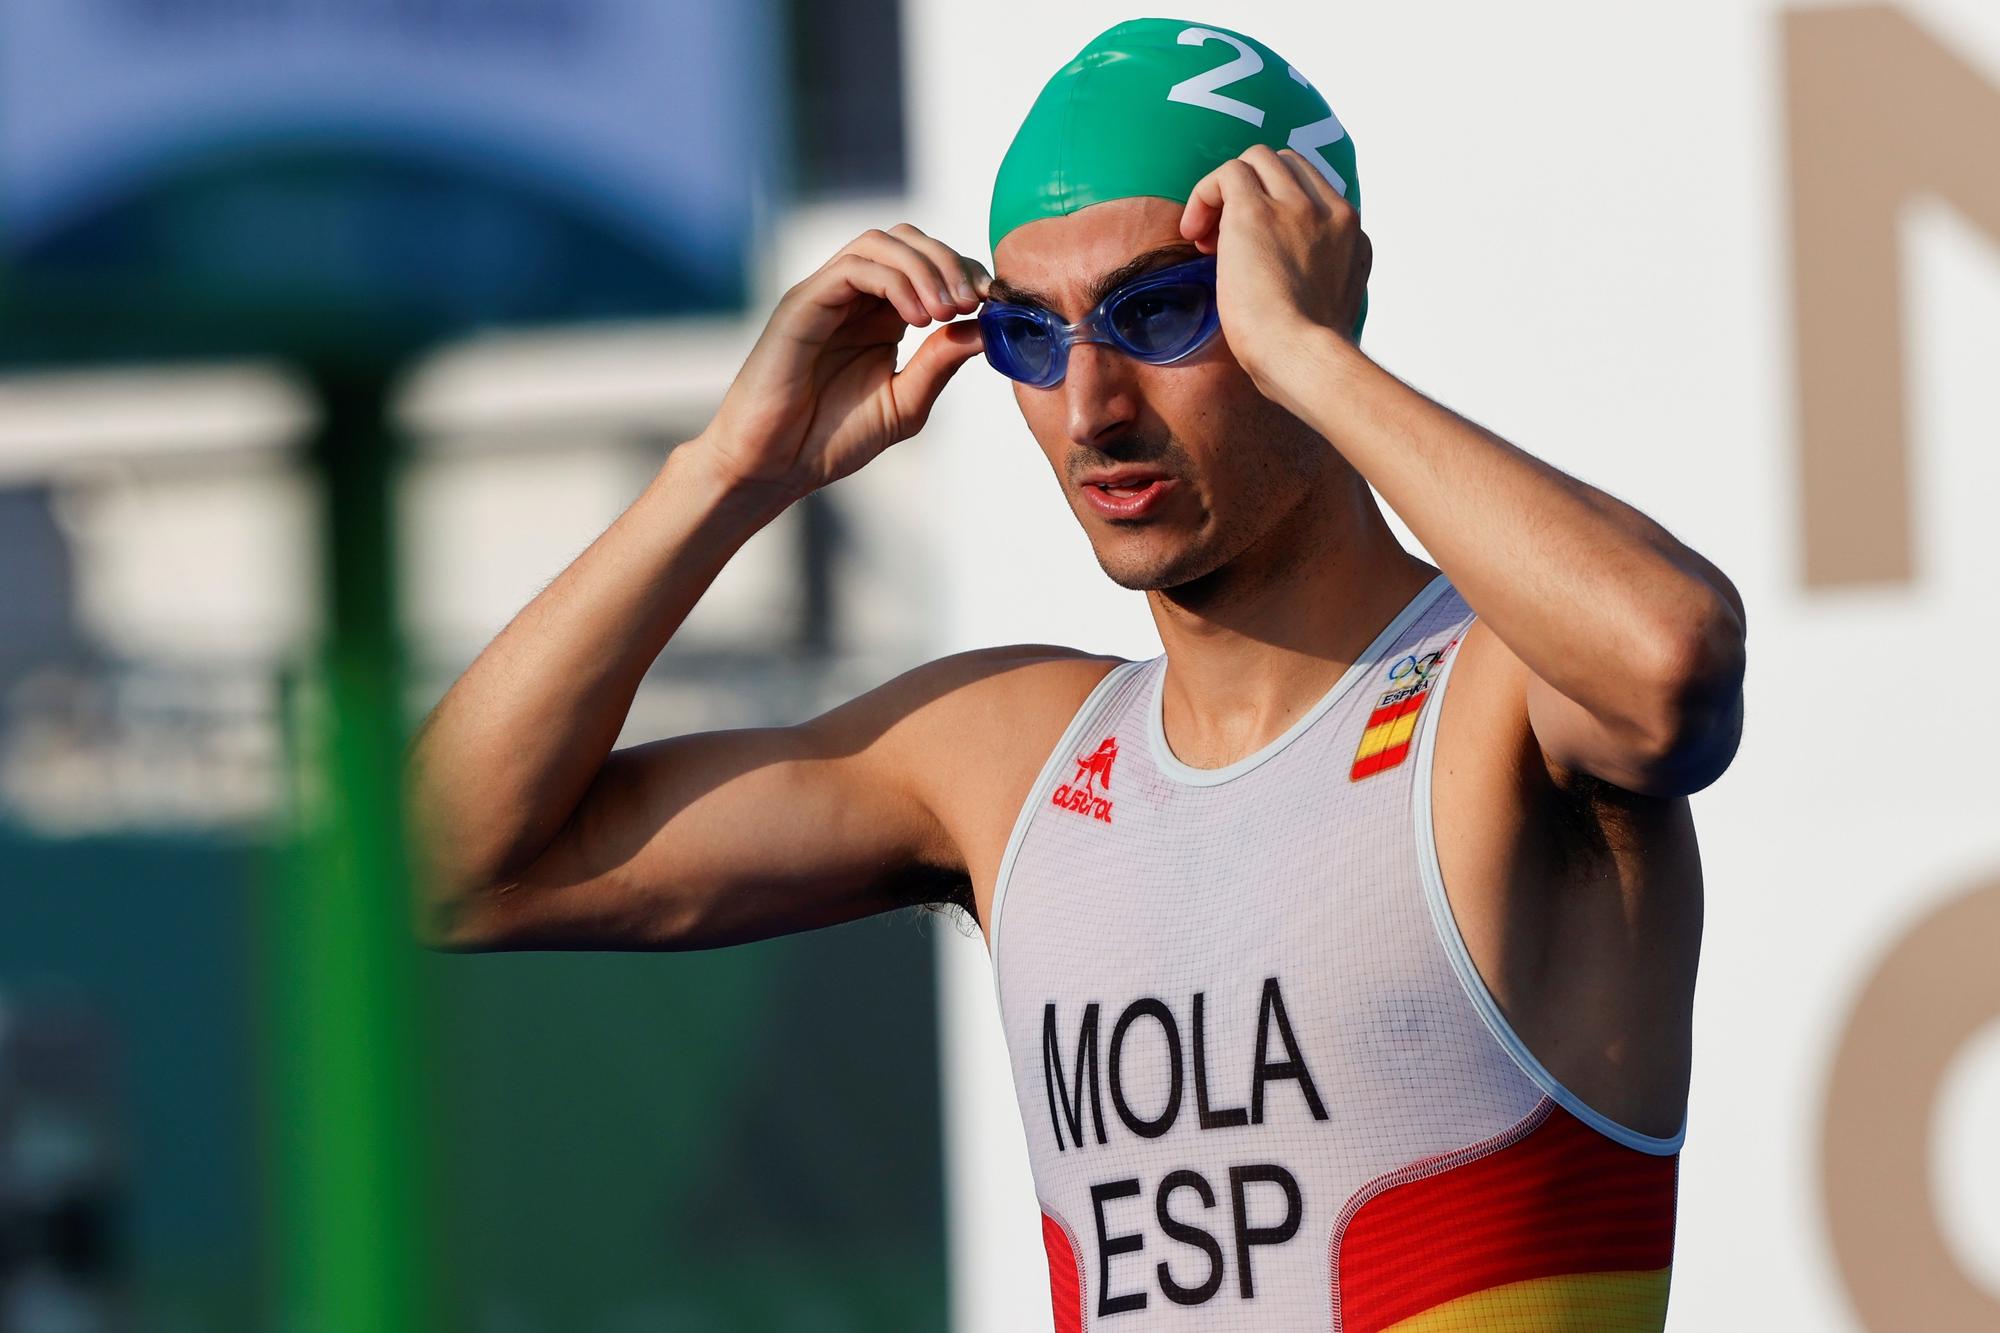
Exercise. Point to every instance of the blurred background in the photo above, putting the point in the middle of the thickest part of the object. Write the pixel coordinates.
(1733, 260)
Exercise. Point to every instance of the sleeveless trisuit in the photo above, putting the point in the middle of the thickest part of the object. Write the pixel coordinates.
(1263, 1084)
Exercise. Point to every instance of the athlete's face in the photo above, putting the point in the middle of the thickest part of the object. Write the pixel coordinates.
(1233, 464)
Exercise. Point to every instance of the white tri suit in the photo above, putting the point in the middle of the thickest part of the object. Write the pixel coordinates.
(1263, 1085)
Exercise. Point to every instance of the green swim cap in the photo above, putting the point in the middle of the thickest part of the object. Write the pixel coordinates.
(1149, 108)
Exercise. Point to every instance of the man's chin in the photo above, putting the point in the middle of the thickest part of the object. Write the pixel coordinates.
(1154, 572)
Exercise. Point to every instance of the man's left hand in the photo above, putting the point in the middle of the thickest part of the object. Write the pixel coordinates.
(1291, 258)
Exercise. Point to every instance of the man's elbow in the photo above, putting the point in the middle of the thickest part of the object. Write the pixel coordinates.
(467, 895)
(459, 918)
(1695, 720)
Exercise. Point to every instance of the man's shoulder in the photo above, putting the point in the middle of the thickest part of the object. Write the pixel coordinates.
(977, 709)
(1030, 666)
(1000, 713)
(975, 727)
(1010, 691)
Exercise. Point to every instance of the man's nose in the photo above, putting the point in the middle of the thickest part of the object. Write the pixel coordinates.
(1100, 392)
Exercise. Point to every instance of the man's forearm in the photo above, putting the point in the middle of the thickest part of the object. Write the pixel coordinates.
(1594, 597)
(506, 756)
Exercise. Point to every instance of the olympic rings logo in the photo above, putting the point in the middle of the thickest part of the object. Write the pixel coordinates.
(1413, 670)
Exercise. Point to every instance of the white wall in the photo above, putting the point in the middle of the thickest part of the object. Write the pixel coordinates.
(1580, 225)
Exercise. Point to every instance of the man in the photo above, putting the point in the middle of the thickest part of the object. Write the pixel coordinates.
(1334, 999)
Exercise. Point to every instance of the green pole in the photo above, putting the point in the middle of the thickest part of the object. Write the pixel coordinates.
(351, 1232)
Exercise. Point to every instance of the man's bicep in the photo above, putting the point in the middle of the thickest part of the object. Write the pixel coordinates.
(721, 837)
(764, 831)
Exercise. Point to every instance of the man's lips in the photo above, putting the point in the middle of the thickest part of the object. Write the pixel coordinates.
(1125, 493)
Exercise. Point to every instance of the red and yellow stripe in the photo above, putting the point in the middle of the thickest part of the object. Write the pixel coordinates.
(1578, 1303)
(1385, 742)
(1559, 1231)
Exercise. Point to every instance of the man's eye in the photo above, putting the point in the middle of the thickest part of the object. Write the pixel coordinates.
(1021, 327)
(1162, 316)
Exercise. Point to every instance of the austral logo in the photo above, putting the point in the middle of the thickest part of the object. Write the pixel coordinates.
(1085, 793)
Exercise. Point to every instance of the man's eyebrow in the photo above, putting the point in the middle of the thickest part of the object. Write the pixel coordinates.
(999, 289)
(1140, 265)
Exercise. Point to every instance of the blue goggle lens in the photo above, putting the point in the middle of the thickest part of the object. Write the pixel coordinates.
(1020, 346)
(1161, 321)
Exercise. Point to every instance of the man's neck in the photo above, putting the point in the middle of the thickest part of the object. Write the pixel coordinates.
(1261, 641)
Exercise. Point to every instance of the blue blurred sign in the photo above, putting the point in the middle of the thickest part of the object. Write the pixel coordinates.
(298, 175)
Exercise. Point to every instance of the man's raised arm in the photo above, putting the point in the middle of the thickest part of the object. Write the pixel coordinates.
(530, 832)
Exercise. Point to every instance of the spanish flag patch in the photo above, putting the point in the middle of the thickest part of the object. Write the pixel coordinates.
(1385, 741)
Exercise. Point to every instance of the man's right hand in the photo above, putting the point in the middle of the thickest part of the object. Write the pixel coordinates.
(819, 394)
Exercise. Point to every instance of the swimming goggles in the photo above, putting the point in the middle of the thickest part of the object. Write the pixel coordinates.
(1157, 318)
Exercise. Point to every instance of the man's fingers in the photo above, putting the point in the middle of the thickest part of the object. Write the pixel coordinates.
(1306, 180)
(917, 385)
(881, 324)
(852, 274)
(925, 277)
(916, 277)
(1275, 174)
(1203, 214)
(1203, 211)
(967, 277)
(1313, 180)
